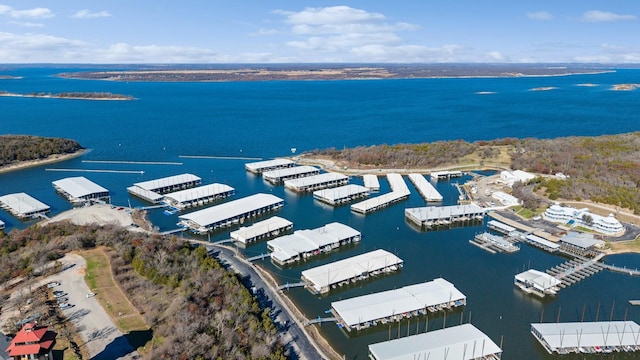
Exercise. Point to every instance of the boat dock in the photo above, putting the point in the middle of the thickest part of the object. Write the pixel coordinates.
(493, 243)
(230, 213)
(317, 182)
(341, 194)
(502, 228)
(537, 282)
(428, 191)
(147, 195)
(431, 216)
(322, 279)
(303, 244)
(574, 271)
(588, 337)
(198, 196)
(365, 311)
(270, 227)
(397, 184)
(170, 184)
(268, 165)
(281, 175)
(371, 182)
(441, 175)
(541, 243)
(399, 192)
(23, 206)
(80, 190)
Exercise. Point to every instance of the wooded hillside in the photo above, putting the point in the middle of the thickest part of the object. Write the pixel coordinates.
(16, 148)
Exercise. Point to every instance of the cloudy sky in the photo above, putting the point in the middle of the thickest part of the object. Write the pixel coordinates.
(278, 31)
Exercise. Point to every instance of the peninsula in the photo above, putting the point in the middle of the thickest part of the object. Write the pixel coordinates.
(72, 95)
(22, 151)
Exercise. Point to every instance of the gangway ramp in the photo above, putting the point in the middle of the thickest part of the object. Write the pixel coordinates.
(259, 257)
(288, 286)
(319, 320)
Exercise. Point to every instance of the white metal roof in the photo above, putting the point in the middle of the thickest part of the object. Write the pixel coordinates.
(260, 228)
(315, 179)
(145, 194)
(199, 192)
(22, 203)
(291, 171)
(364, 206)
(538, 279)
(501, 226)
(335, 272)
(427, 213)
(214, 214)
(581, 240)
(301, 241)
(266, 164)
(341, 192)
(79, 186)
(397, 184)
(167, 181)
(542, 241)
(462, 342)
(371, 181)
(393, 302)
(588, 334)
(425, 188)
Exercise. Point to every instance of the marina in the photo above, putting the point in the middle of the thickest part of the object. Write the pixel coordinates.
(273, 226)
(588, 337)
(317, 182)
(428, 191)
(443, 175)
(230, 213)
(281, 175)
(80, 190)
(465, 342)
(371, 181)
(493, 243)
(198, 196)
(23, 206)
(342, 194)
(364, 311)
(307, 243)
(538, 283)
(431, 216)
(268, 165)
(322, 279)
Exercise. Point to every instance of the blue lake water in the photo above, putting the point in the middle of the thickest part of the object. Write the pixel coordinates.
(267, 119)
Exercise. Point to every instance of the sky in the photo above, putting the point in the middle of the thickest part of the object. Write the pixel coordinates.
(347, 31)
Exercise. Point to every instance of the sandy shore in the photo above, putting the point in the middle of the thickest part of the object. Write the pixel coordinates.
(51, 159)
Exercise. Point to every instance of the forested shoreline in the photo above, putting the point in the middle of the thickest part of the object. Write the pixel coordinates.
(18, 148)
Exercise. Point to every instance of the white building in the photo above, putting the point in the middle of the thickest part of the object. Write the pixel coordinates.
(571, 216)
(512, 177)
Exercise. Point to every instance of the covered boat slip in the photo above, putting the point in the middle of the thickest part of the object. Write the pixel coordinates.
(22, 205)
(397, 184)
(399, 192)
(464, 342)
(281, 175)
(320, 279)
(147, 195)
(428, 191)
(588, 337)
(493, 243)
(170, 184)
(371, 182)
(341, 194)
(268, 165)
(227, 214)
(443, 215)
(272, 226)
(317, 182)
(440, 175)
(393, 305)
(542, 243)
(537, 282)
(198, 196)
(307, 243)
(80, 190)
(500, 227)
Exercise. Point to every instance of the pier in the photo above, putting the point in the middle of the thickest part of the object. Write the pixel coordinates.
(23, 206)
(270, 227)
(281, 175)
(268, 165)
(317, 182)
(588, 337)
(428, 191)
(431, 216)
(131, 162)
(97, 171)
(218, 157)
(288, 286)
(258, 257)
(341, 194)
(574, 271)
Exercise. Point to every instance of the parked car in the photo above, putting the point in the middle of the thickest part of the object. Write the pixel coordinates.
(53, 284)
(58, 294)
(65, 306)
(91, 294)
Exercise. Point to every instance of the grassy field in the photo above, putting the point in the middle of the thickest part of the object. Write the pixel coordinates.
(617, 247)
(113, 300)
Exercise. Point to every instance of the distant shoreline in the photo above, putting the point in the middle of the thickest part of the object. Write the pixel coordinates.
(49, 160)
(81, 96)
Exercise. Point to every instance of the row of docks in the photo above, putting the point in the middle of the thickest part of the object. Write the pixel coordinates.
(281, 175)
(371, 182)
(230, 213)
(493, 243)
(430, 216)
(442, 175)
(366, 311)
(322, 279)
(80, 190)
(153, 190)
(399, 192)
(268, 165)
(307, 243)
(317, 182)
(600, 337)
(342, 194)
(463, 341)
(23, 205)
(428, 191)
(574, 271)
(271, 227)
(198, 196)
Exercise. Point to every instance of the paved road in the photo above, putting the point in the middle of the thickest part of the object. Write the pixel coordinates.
(295, 337)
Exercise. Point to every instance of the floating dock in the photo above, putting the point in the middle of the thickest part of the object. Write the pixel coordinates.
(441, 175)
(430, 216)
(22, 205)
(538, 283)
(268, 165)
(393, 305)
(317, 182)
(463, 342)
(502, 228)
(80, 190)
(397, 184)
(493, 243)
(399, 192)
(230, 213)
(588, 337)
(371, 182)
(198, 196)
(542, 243)
(152, 190)
(428, 191)
(574, 271)
(147, 195)
(341, 194)
(281, 175)
(303, 244)
(270, 227)
(321, 279)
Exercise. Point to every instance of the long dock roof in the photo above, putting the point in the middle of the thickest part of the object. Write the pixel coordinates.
(302, 241)
(588, 334)
(425, 188)
(214, 214)
(315, 179)
(374, 202)
(22, 204)
(371, 181)
(397, 184)
(538, 279)
(341, 192)
(267, 164)
(199, 192)
(427, 213)
(260, 228)
(167, 181)
(543, 242)
(464, 342)
(79, 186)
(502, 226)
(290, 171)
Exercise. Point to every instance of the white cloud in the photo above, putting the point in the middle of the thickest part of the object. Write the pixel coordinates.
(264, 32)
(496, 56)
(39, 48)
(26, 24)
(35, 13)
(539, 15)
(4, 9)
(87, 14)
(603, 16)
(125, 53)
(330, 15)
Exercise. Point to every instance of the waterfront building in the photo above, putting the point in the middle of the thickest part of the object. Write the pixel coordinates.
(441, 175)
(79, 190)
(303, 244)
(570, 216)
(429, 216)
(268, 165)
(317, 182)
(500, 227)
(230, 213)
(364, 311)
(22, 205)
(270, 227)
(341, 194)
(588, 337)
(428, 191)
(464, 342)
(581, 244)
(537, 282)
(371, 181)
(32, 342)
(280, 175)
(322, 278)
(505, 199)
(544, 244)
(198, 196)
(152, 190)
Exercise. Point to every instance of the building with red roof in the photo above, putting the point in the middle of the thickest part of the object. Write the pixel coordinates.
(32, 342)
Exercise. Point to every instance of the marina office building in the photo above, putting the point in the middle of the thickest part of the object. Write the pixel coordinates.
(22, 205)
(80, 190)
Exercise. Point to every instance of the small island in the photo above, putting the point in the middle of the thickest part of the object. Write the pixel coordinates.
(72, 95)
(625, 87)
